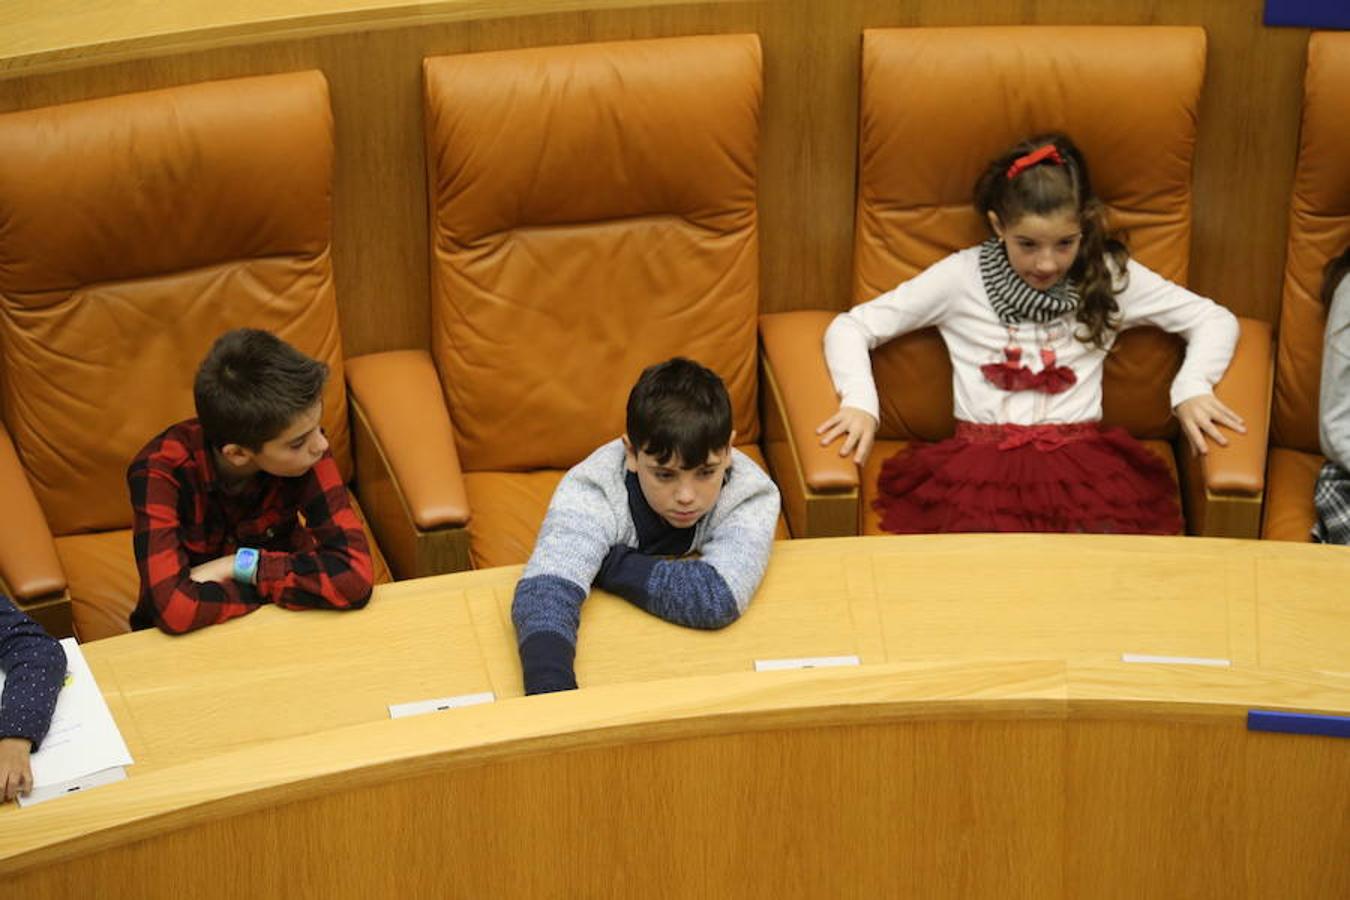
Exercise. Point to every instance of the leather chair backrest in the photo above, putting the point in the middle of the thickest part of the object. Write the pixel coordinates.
(939, 103)
(134, 230)
(1319, 229)
(593, 212)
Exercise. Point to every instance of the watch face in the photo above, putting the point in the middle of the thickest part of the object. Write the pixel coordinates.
(246, 564)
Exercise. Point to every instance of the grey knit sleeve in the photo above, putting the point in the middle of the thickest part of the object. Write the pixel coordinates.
(740, 538)
(578, 530)
(1335, 394)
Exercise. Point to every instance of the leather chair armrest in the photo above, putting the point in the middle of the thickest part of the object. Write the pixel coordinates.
(819, 487)
(1240, 468)
(29, 566)
(1234, 477)
(408, 476)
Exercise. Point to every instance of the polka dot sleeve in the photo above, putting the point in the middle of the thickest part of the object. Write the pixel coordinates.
(35, 667)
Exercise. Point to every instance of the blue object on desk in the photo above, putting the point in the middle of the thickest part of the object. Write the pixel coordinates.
(1308, 13)
(1298, 723)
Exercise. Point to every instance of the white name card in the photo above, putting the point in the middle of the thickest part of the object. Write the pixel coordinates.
(1175, 660)
(805, 662)
(418, 707)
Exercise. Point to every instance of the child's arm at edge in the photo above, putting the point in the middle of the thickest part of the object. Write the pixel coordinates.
(35, 667)
(1334, 394)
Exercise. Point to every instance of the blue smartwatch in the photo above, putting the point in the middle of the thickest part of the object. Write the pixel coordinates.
(246, 565)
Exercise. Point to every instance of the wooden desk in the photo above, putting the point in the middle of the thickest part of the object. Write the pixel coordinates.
(992, 744)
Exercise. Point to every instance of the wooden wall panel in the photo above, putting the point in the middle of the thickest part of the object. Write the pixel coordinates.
(1298, 845)
(1248, 129)
(831, 812)
(1211, 812)
(933, 809)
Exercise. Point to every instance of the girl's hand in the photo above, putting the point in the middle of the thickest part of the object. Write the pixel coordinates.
(859, 428)
(1202, 415)
(16, 775)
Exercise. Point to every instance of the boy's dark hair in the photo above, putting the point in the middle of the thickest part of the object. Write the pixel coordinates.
(680, 409)
(252, 385)
(1046, 188)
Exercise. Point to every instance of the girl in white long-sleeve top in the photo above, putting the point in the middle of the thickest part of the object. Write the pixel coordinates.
(1028, 317)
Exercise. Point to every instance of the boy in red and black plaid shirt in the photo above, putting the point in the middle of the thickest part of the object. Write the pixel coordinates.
(244, 504)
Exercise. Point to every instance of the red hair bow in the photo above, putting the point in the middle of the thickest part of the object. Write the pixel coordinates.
(1041, 154)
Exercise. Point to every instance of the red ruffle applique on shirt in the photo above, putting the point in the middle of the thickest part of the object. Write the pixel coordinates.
(1012, 375)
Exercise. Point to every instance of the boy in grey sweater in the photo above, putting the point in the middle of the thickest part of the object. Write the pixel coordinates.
(669, 516)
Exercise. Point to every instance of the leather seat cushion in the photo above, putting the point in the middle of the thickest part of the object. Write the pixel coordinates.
(1289, 512)
(102, 580)
(103, 584)
(508, 508)
(884, 450)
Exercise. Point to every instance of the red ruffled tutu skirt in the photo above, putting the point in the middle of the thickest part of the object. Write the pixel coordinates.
(1052, 478)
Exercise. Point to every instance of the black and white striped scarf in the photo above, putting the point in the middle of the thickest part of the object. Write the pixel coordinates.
(1013, 299)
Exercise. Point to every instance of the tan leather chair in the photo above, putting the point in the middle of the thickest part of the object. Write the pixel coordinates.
(937, 103)
(135, 230)
(592, 212)
(1319, 229)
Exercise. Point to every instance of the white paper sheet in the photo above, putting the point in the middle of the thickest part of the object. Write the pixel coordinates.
(83, 746)
(74, 786)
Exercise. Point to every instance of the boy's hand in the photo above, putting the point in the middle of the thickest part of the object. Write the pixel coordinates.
(220, 570)
(16, 774)
(1202, 415)
(859, 428)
